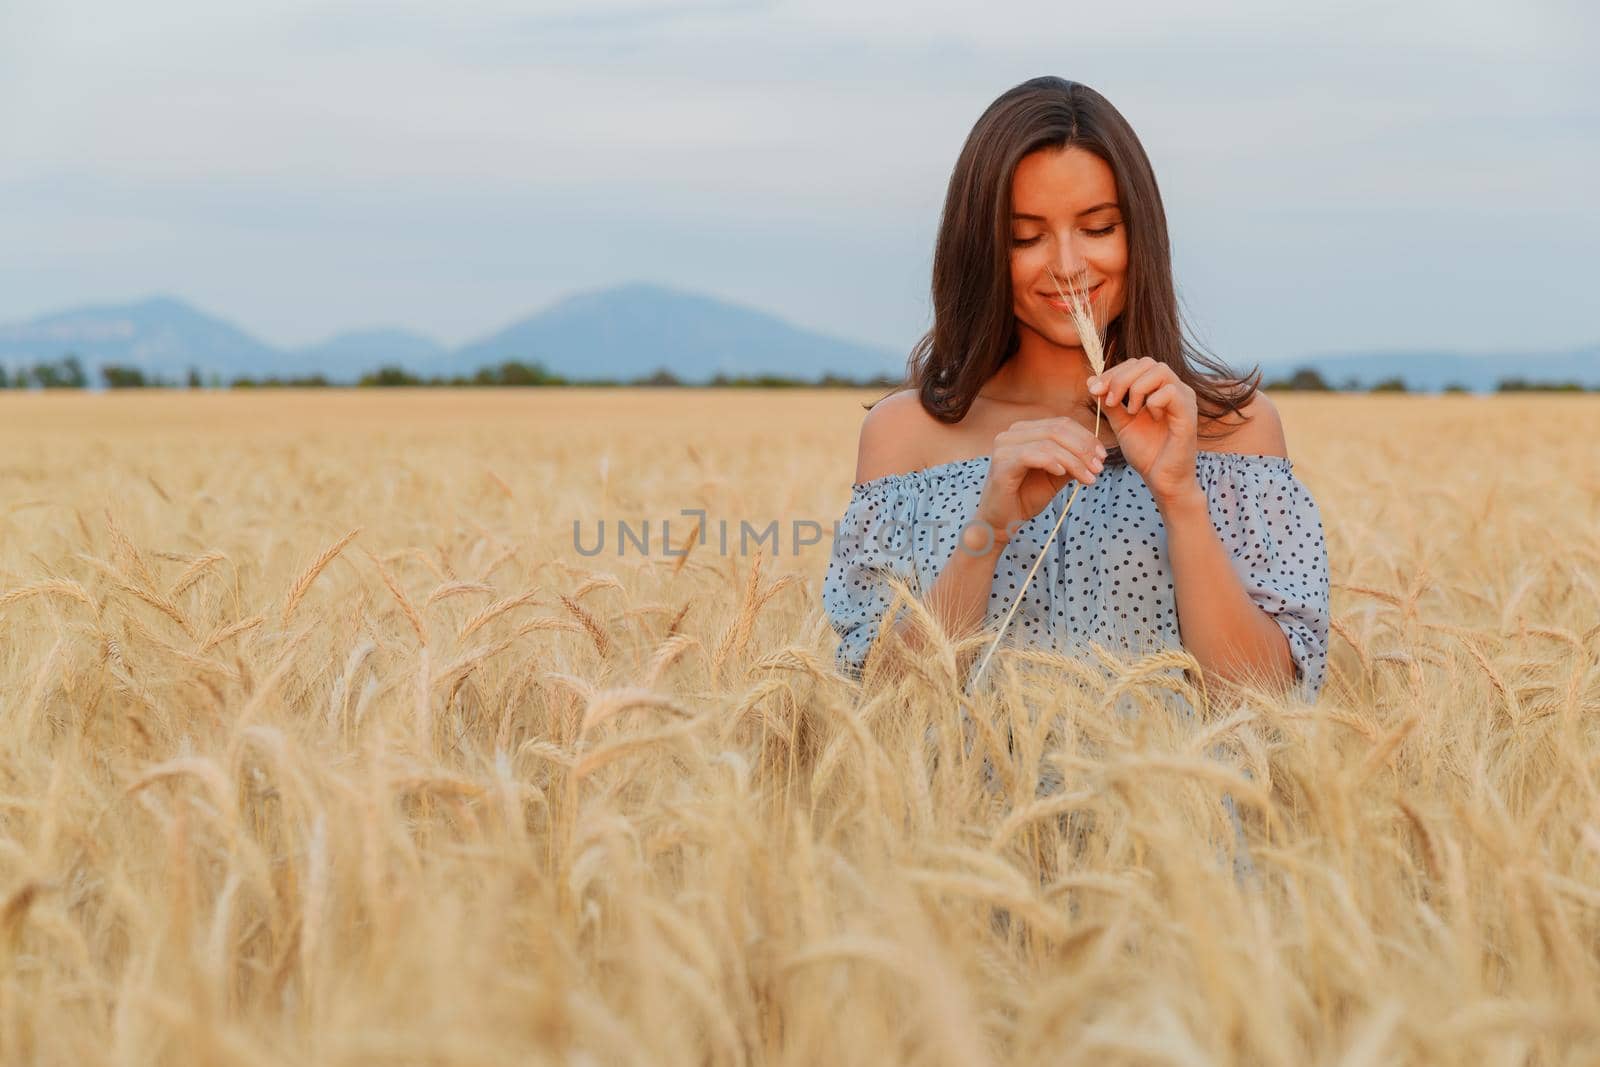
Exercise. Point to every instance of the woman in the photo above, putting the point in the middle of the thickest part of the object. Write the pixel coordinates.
(962, 475)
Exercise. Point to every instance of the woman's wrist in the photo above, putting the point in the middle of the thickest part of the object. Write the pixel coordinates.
(981, 538)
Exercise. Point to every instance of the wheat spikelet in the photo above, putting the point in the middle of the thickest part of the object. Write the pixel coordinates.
(266, 687)
(456, 672)
(126, 549)
(597, 581)
(668, 653)
(147, 595)
(737, 636)
(450, 589)
(688, 547)
(496, 563)
(1044, 808)
(607, 704)
(202, 769)
(230, 631)
(192, 573)
(15, 911)
(1337, 626)
(542, 625)
(1126, 768)
(590, 625)
(1016, 899)
(303, 583)
(1364, 590)
(500, 483)
(597, 758)
(1430, 851)
(547, 750)
(47, 674)
(1384, 749)
(401, 598)
(64, 587)
(1513, 705)
(339, 698)
(199, 662)
(494, 611)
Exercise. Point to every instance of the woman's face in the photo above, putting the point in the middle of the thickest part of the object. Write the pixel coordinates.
(1065, 218)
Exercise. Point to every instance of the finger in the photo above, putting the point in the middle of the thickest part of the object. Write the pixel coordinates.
(1110, 385)
(1131, 373)
(1145, 384)
(1063, 461)
(1074, 435)
(1062, 429)
(1025, 430)
(1117, 416)
(1166, 401)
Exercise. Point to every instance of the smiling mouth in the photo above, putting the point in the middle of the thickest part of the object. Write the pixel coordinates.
(1067, 306)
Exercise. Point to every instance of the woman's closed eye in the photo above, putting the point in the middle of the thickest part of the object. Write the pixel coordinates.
(1106, 231)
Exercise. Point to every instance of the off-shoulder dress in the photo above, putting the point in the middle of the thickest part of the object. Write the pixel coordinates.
(1107, 577)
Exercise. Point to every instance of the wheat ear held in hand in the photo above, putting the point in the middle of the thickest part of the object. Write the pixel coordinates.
(1089, 334)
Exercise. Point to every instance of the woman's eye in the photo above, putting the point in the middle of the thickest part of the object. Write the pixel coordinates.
(1022, 242)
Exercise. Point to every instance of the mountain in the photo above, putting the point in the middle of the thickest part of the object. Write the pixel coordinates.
(628, 331)
(160, 335)
(1433, 370)
(623, 332)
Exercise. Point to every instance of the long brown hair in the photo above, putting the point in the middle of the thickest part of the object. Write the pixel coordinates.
(974, 329)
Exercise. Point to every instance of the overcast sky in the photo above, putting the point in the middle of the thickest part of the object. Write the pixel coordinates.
(1367, 175)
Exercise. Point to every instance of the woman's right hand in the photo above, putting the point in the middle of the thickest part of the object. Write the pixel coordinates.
(1031, 461)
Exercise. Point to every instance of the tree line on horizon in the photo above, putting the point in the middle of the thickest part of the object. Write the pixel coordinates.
(69, 373)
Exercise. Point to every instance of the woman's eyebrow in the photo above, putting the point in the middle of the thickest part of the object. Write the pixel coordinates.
(1081, 214)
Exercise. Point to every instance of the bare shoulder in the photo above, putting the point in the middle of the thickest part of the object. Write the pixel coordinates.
(1262, 431)
(894, 436)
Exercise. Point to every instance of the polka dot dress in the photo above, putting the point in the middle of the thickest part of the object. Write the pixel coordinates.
(1106, 578)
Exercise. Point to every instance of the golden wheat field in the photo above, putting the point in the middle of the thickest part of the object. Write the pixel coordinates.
(323, 743)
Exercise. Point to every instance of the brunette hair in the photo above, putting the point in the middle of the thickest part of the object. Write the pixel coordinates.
(974, 329)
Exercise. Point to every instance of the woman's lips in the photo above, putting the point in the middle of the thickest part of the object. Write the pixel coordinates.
(1059, 306)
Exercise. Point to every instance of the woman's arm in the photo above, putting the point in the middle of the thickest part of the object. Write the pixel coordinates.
(1217, 620)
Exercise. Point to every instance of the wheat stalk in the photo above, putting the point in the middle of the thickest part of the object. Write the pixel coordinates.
(302, 584)
(1082, 314)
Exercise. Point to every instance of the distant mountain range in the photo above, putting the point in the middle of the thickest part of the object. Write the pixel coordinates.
(624, 332)
(627, 331)
(1431, 371)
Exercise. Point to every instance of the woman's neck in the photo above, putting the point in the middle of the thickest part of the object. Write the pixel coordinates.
(1043, 374)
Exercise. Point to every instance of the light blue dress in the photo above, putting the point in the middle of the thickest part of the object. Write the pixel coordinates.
(1106, 578)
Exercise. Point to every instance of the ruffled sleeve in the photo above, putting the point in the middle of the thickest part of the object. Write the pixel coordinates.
(1272, 528)
(872, 541)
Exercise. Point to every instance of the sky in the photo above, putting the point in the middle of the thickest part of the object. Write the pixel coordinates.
(1337, 177)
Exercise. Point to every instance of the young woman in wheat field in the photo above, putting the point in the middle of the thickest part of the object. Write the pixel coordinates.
(1192, 527)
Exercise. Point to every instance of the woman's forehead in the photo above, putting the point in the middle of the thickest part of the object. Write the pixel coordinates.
(1065, 182)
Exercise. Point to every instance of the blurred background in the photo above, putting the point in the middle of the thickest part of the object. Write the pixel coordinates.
(199, 193)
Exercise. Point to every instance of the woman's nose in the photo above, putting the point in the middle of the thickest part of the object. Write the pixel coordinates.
(1069, 262)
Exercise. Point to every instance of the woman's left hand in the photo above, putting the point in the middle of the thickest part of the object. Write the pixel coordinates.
(1158, 429)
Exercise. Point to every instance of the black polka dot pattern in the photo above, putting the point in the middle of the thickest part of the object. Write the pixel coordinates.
(1106, 578)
